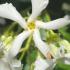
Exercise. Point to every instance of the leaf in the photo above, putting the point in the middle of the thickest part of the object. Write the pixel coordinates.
(65, 32)
(61, 66)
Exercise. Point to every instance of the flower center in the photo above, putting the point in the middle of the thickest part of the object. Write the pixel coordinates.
(31, 25)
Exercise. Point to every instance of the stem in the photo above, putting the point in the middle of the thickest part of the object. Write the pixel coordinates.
(10, 28)
(27, 46)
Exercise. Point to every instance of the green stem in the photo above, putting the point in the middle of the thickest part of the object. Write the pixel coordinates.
(27, 46)
(10, 28)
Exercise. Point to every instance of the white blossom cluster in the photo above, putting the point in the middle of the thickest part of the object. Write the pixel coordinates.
(31, 27)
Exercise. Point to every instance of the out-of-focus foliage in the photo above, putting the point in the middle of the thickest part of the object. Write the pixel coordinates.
(61, 66)
(65, 31)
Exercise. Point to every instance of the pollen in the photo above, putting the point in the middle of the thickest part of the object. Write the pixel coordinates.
(31, 25)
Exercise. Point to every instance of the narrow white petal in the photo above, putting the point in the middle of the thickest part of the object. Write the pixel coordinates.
(42, 46)
(16, 64)
(60, 52)
(51, 63)
(67, 55)
(37, 7)
(4, 65)
(41, 64)
(67, 58)
(67, 61)
(66, 45)
(17, 43)
(8, 11)
(55, 24)
(53, 49)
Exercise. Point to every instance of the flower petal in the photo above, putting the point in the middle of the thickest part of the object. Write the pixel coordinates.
(43, 47)
(42, 64)
(55, 24)
(37, 7)
(7, 10)
(53, 49)
(66, 45)
(17, 43)
(60, 52)
(67, 55)
(67, 61)
(67, 58)
(4, 65)
(16, 64)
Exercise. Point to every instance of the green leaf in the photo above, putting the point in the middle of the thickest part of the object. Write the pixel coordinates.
(65, 32)
(31, 57)
(61, 66)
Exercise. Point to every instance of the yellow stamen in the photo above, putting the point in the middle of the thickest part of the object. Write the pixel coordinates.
(31, 25)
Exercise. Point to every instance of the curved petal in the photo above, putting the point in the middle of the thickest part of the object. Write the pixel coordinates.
(37, 7)
(53, 49)
(7, 10)
(55, 24)
(41, 64)
(42, 46)
(60, 52)
(67, 58)
(67, 55)
(4, 65)
(66, 45)
(16, 64)
(17, 43)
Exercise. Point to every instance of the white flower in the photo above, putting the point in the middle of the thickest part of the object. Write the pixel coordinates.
(66, 46)
(49, 64)
(32, 25)
(67, 59)
(8, 60)
(40, 64)
(5, 64)
(55, 24)
(43, 64)
(60, 53)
